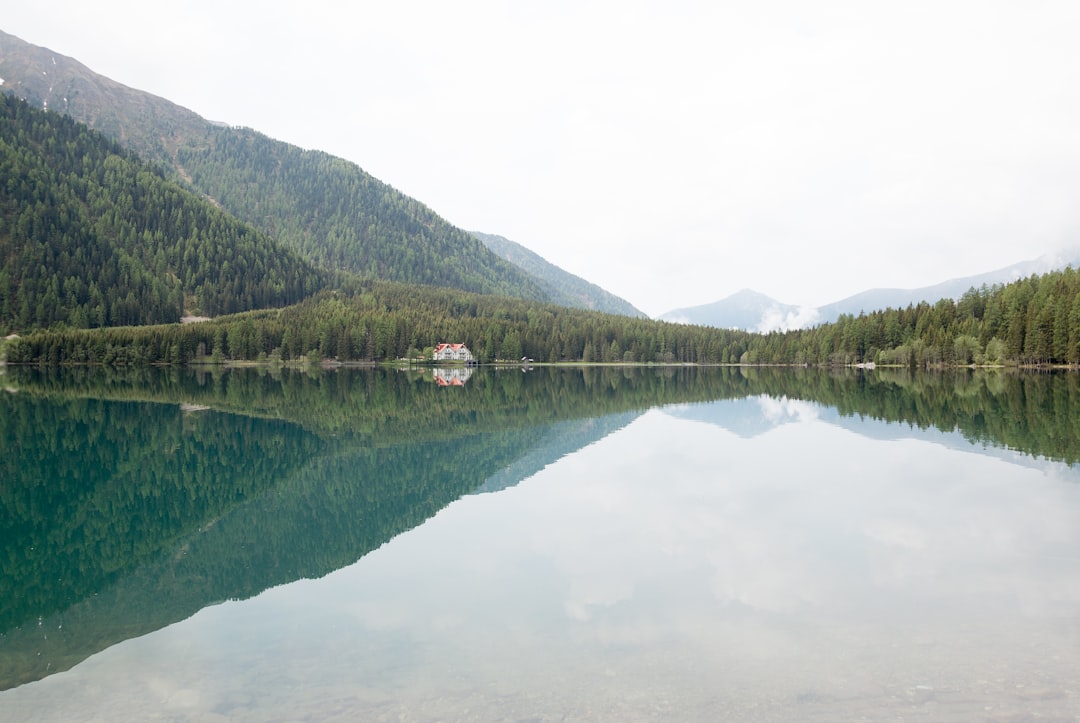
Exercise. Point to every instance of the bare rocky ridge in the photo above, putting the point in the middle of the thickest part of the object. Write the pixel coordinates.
(50, 80)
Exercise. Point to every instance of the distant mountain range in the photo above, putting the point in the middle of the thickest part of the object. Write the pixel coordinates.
(754, 311)
(746, 309)
(561, 286)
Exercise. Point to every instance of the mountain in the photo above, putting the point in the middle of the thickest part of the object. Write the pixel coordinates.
(753, 311)
(746, 309)
(324, 207)
(562, 287)
(875, 299)
(147, 124)
(90, 236)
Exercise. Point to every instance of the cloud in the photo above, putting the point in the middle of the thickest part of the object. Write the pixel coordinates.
(777, 319)
(781, 409)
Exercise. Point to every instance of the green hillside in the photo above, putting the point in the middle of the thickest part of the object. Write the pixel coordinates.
(92, 236)
(326, 208)
(385, 321)
(561, 286)
(341, 217)
(1033, 321)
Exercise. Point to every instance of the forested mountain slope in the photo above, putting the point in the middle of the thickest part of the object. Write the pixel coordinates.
(1031, 321)
(92, 236)
(326, 208)
(387, 320)
(561, 286)
(343, 218)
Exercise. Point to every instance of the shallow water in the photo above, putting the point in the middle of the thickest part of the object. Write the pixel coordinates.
(759, 558)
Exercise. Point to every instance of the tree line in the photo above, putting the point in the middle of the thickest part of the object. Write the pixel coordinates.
(1031, 321)
(384, 321)
(1035, 320)
(90, 236)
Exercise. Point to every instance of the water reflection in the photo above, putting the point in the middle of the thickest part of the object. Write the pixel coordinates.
(451, 376)
(763, 556)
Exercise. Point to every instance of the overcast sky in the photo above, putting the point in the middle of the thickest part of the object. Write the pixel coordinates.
(671, 152)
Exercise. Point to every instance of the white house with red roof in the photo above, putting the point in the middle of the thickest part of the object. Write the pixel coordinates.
(452, 352)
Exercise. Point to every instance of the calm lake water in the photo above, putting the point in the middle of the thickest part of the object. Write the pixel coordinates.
(551, 544)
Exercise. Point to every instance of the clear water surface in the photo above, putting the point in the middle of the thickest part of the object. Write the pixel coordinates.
(545, 545)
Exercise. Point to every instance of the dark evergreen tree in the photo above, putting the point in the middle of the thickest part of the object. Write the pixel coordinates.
(91, 236)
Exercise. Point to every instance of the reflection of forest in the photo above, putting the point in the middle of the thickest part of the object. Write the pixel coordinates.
(1034, 413)
(123, 516)
(120, 516)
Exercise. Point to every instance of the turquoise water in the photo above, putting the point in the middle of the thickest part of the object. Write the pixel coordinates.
(606, 544)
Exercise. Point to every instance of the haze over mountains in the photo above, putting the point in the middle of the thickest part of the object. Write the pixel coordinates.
(753, 311)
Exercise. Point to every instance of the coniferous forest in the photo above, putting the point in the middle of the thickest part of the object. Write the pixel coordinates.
(92, 237)
(341, 218)
(101, 254)
(1031, 321)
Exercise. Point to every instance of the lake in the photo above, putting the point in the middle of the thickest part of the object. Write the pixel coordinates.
(544, 544)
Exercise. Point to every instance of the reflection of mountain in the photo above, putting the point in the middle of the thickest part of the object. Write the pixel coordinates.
(950, 439)
(745, 417)
(1035, 414)
(151, 514)
(94, 492)
(120, 517)
(558, 441)
(755, 416)
(1031, 414)
(94, 489)
(325, 514)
